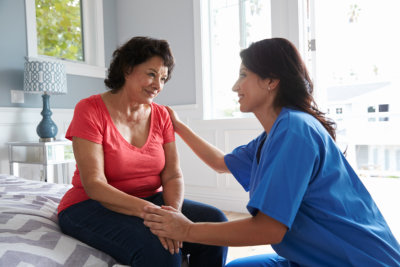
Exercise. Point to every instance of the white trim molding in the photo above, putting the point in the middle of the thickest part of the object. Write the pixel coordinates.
(19, 124)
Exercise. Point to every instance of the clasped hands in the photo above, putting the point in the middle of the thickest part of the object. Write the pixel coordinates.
(169, 224)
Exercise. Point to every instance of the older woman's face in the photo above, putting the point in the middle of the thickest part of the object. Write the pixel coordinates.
(146, 80)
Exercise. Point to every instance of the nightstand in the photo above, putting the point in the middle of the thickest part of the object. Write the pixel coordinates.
(54, 159)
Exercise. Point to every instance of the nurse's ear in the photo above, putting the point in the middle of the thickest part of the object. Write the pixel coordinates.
(272, 83)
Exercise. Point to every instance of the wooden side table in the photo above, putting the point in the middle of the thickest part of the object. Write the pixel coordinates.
(49, 155)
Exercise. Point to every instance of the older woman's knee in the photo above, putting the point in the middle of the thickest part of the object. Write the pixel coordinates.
(153, 255)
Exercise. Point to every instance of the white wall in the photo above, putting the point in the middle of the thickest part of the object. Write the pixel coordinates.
(201, 182)
(19, 124)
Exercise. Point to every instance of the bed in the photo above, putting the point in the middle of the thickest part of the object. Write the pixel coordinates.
(30, 236)
(29, 232)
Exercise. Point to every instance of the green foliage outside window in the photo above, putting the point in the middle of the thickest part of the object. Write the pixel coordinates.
(59, 29)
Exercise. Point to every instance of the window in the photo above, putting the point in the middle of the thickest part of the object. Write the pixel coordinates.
(384, 108)
(397, 160)
(233, 25)
(59, 29)
(80, 48)
(359, 72)
(362, 156)
(375, 153)
(387, 159)
(350, 70)
(383, 118)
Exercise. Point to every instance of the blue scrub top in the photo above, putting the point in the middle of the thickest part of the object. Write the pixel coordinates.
(304, 181)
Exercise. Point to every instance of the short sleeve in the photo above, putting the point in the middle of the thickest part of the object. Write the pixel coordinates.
(87, 122)
(240, 161)
(285, 170)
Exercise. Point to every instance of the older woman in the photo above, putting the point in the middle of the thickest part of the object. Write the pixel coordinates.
(124, 146)
(305, 199)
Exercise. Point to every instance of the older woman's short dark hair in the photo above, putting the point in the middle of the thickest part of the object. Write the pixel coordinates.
(134, 52)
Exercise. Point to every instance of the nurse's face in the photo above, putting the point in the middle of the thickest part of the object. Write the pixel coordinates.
(251, 89)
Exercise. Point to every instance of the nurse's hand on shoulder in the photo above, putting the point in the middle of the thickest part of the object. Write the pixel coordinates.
(167, 222)
(174, 118)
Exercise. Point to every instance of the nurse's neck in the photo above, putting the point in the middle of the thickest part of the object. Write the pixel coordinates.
(267, 119)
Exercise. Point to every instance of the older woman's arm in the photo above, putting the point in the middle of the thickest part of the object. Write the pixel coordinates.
(90, 160)
(89, 157)
(172, 182)
(171, 177)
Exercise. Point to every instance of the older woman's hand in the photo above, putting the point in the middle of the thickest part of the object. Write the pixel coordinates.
(172, 246)
(167, 222)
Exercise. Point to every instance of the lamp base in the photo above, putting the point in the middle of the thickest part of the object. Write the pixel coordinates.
(47, 129)
(50, 139)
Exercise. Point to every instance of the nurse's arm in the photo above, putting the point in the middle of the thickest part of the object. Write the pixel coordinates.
(208, 153)
(258, 230)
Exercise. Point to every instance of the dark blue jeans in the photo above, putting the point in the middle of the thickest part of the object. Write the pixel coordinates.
(130, 242)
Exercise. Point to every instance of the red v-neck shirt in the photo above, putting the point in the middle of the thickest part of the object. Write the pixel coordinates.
(131, 169)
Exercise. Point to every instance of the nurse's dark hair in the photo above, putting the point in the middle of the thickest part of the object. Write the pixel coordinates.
(134, 52)
(278, 58)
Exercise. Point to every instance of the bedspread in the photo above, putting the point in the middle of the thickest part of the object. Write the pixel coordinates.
(29, 232)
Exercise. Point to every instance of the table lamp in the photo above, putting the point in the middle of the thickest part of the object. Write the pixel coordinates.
(46, 78)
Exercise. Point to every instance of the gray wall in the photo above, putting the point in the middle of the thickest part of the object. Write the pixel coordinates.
(171, 20)
(13, 50)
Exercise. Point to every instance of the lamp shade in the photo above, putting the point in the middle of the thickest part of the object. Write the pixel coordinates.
(47, 77)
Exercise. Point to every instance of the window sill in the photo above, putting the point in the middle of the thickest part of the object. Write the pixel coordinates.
(83, 69)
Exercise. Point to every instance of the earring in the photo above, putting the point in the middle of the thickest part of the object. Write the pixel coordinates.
(269, 88)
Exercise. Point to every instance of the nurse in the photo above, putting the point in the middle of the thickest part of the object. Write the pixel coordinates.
(305, 199)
